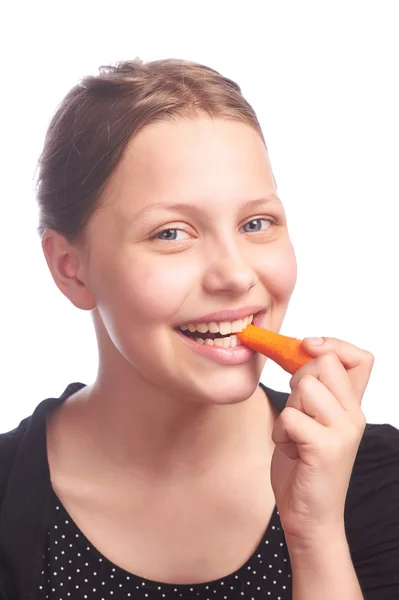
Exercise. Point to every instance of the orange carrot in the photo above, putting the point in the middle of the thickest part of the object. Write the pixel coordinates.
(283, 350)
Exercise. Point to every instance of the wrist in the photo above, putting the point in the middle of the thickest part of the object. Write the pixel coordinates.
(318, 546)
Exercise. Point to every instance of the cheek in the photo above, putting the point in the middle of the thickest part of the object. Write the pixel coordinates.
(156, 290)
(278, 271)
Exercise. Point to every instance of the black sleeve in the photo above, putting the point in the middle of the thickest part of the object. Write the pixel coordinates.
(8, 448)
(372, 513)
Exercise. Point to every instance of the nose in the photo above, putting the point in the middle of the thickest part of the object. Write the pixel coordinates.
(228, 273)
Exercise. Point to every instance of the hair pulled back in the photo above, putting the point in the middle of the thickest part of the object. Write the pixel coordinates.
(98, 117)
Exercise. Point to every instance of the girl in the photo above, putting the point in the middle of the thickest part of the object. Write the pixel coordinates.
(176, 474)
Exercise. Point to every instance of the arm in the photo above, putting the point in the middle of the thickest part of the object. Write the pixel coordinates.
(324, 570)
(362, 562)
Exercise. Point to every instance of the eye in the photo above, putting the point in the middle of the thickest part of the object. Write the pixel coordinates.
(255, 225)
(170, 235)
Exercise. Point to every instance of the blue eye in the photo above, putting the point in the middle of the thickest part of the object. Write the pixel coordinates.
(165, 235)
(256, 225)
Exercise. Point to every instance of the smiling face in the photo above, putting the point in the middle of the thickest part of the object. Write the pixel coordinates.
(190, 224)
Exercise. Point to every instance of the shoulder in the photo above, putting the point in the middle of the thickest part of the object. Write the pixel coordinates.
(24, 439)
(378, 453)
(375, 474)
(9, 443)
(372, 512)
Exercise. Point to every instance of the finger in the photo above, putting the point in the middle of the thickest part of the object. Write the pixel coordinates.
(311, 397)
(295, 433)
(328, 369)
(357, 362)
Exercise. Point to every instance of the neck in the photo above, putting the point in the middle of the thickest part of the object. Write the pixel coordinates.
(147, 431)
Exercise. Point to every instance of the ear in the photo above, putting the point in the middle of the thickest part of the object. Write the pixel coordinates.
(67, 268)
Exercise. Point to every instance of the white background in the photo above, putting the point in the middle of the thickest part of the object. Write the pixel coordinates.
(323, 79)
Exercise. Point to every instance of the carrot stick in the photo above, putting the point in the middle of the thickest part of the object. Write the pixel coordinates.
(283, 350)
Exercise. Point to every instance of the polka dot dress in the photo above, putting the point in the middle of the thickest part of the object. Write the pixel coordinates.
(74, 569)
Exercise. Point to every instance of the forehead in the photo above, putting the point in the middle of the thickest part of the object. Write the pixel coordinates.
(192, 160)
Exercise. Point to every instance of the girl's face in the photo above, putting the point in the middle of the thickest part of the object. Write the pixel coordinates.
(190, 225)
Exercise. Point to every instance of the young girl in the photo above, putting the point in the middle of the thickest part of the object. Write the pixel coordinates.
(176, 474)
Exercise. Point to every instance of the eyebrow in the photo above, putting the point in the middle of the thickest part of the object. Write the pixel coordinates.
(192, 208)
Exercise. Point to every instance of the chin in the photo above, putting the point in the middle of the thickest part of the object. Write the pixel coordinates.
(228, 389)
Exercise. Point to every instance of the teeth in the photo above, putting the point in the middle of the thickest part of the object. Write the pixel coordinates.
(233, 341)
(224, 327)
(237, 326)
(227, 342)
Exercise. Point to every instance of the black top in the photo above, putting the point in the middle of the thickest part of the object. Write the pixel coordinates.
(73, 568)
(43, 554)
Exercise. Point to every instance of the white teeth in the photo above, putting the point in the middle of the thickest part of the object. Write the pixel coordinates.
(233, 341)
(225, 327)
(237, 326)
(227, 342)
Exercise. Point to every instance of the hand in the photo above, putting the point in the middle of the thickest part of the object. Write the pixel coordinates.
(317, 437)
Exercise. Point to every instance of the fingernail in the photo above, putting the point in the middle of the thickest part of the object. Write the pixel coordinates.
(315, 340)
